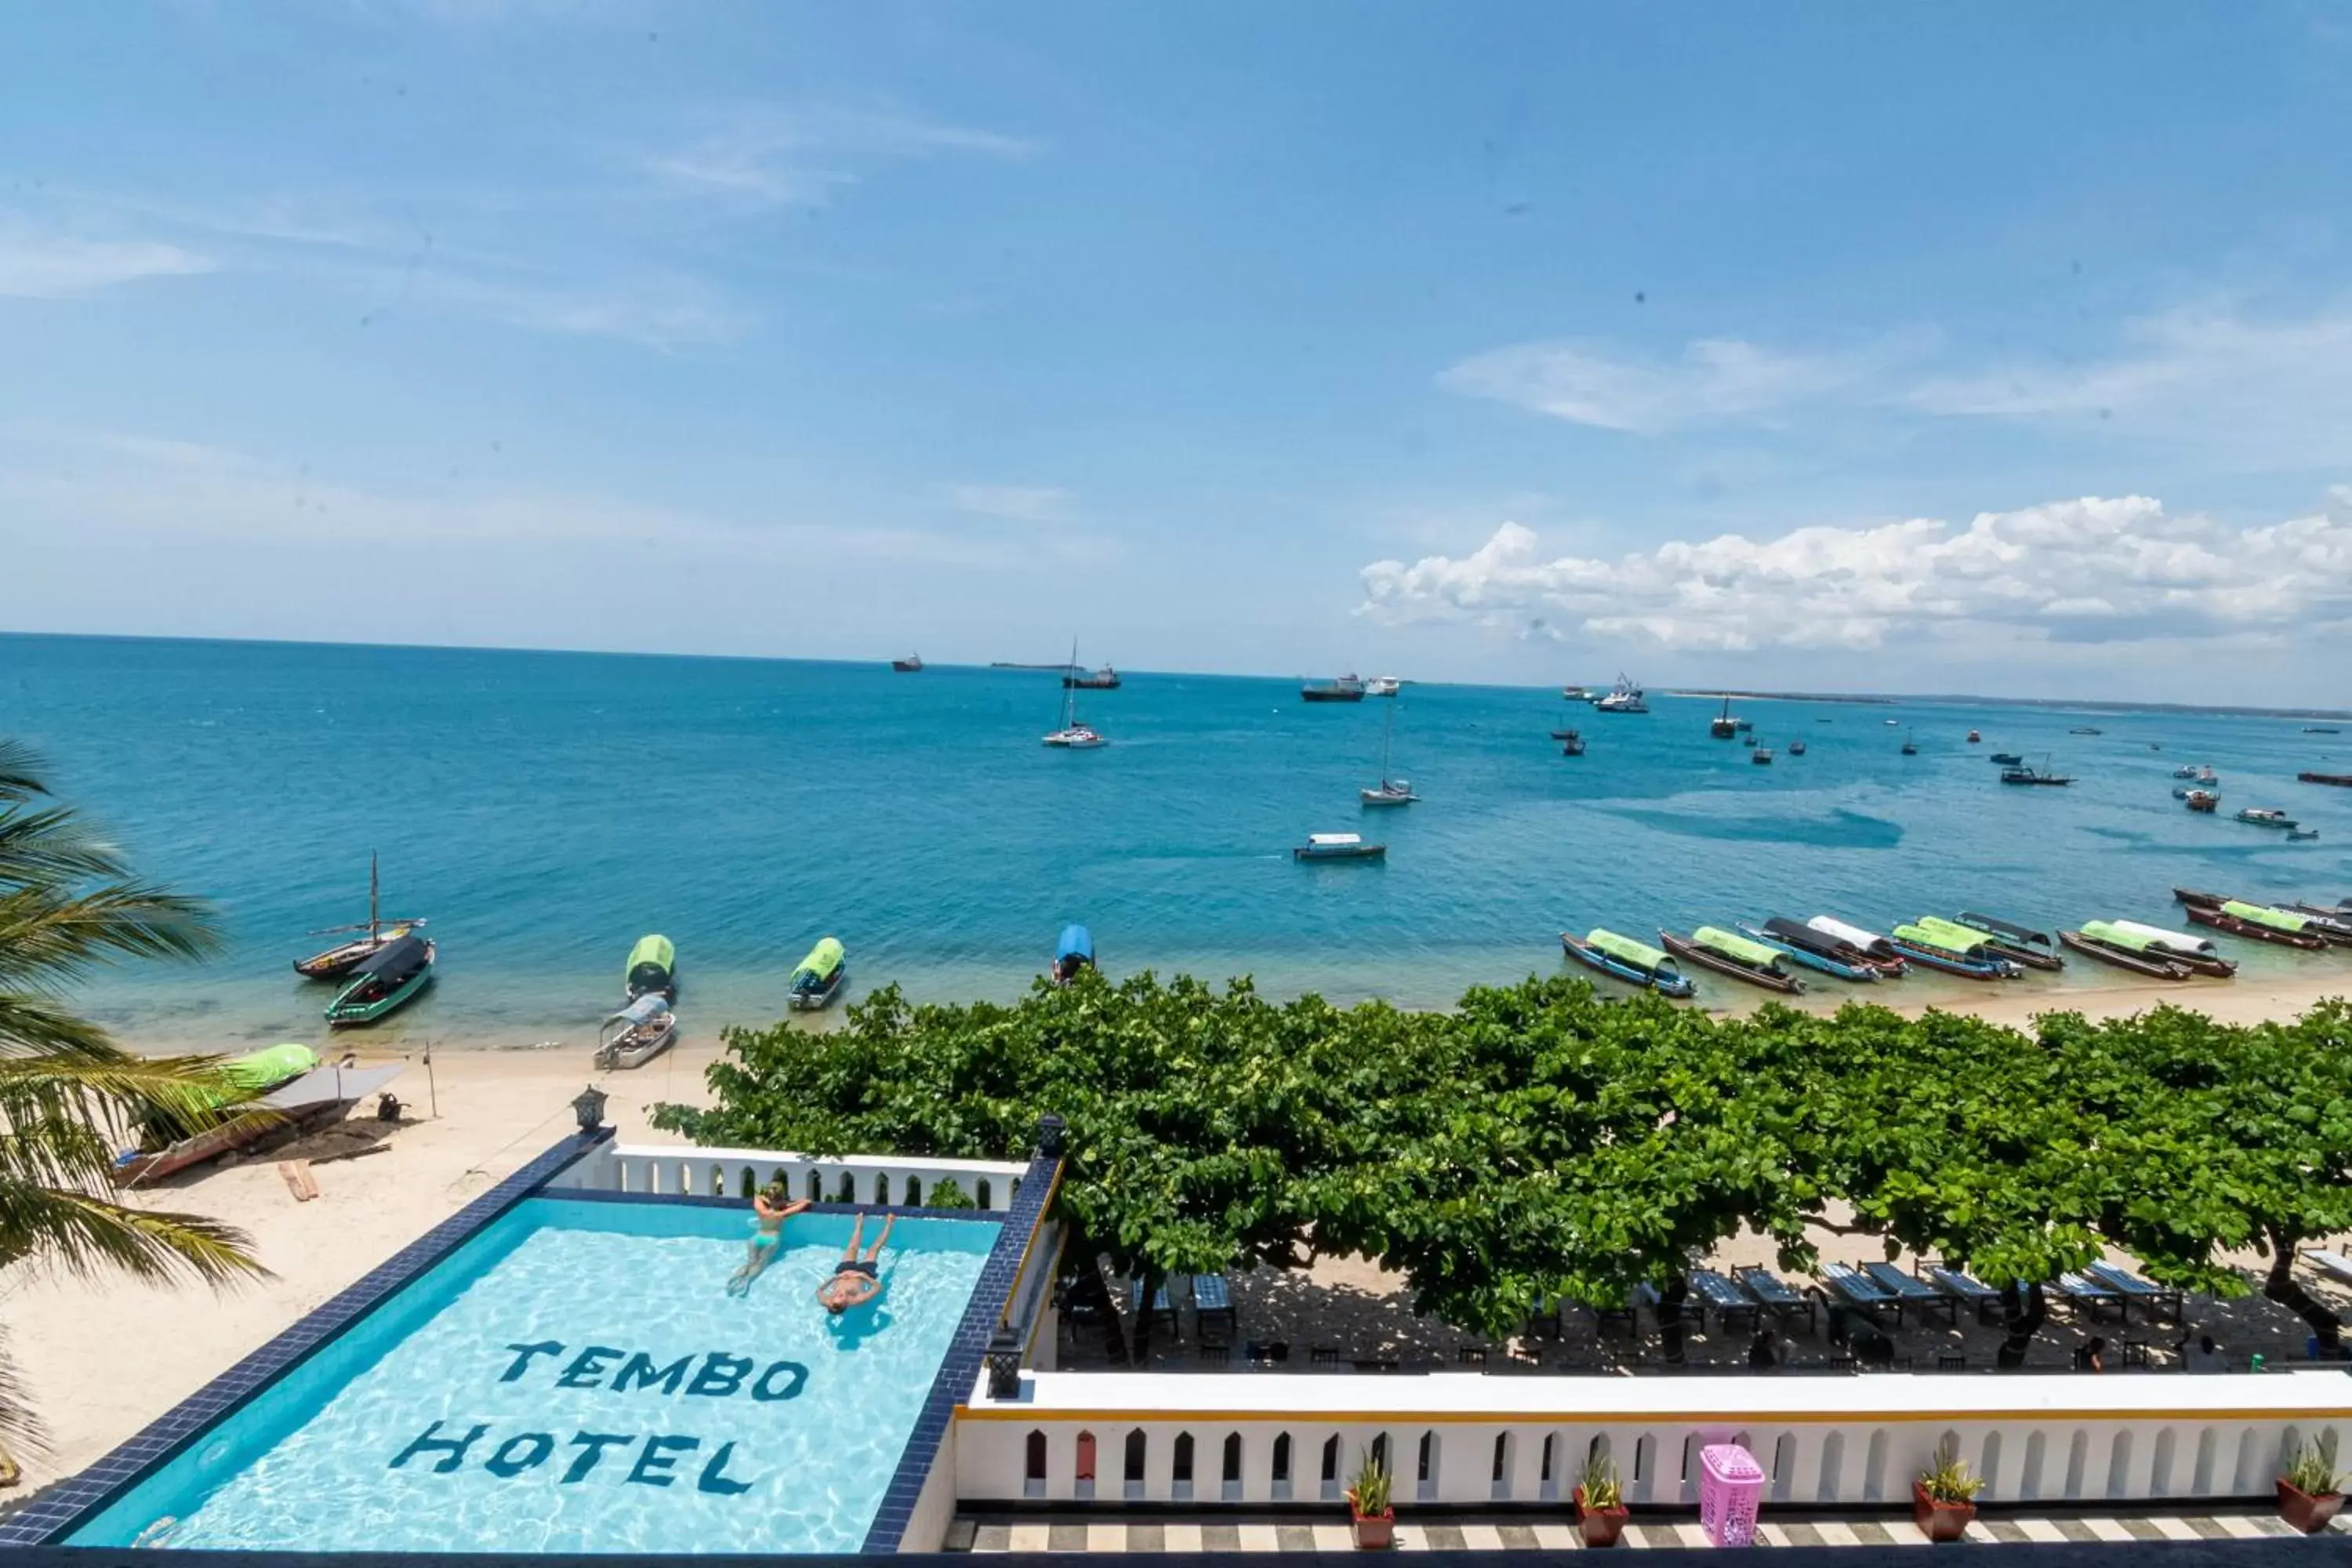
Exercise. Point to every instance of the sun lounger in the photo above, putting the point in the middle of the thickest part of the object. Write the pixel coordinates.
(1858, 1291)
(1776, 1296)
(2088, 1298)
(1213, 1306)
(2154, 1299)
(1733, 1306)
(1917, 1295)
(1960, 1287)
(2335, 1265)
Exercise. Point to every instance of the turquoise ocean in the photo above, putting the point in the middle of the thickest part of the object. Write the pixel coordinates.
(545, 809)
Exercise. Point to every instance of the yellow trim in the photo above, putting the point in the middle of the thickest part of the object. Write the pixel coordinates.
(1028, 1351)
(1590, 1418)
(1004, 1313)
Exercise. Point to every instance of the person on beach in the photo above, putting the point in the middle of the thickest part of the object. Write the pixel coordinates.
(2091, 1357)
(769, 1211)
(856, 1281)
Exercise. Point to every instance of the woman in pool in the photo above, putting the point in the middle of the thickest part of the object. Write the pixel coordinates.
(856, 1281)
(769, 1211)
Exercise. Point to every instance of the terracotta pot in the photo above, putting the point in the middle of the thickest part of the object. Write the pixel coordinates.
(1599, 1526)
(1374, 1533)
(1939, 1520)
(2307, 1513)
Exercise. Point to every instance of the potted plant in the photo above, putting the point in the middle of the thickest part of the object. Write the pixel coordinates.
(2310, 1492)
(1944, 1498)
(1600, 1502)
(1368, 1502)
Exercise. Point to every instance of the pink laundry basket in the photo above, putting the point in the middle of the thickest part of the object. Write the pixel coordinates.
(1731, 1486)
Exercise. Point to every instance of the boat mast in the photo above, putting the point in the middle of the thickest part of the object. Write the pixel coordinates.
(1388, 727)
(372, 919)
(1070, 690)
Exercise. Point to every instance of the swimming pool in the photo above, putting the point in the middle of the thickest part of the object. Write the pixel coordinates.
(576, 1378)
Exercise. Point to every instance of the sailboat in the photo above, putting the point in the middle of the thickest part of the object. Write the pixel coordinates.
(1723, 726)
(1910, 746)
(1389, 791)
(1073, 736)
(344, 957)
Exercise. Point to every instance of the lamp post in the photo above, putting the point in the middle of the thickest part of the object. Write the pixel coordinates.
(589, 1107)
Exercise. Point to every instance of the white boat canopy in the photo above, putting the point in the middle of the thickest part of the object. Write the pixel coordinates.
(1335, 839)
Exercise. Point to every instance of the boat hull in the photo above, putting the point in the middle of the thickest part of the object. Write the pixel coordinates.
(817, 998)
(1949, 962)
(2209, 915)
(2171, 968)
(1815, 961)
(343, 1015)
(1677, 986)
(1683, 947)
(637, 1047)
(1387, 797)
(338, 961)
(1344, 852)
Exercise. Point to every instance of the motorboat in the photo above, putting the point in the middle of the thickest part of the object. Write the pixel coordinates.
(345, 956)
(2021, 774)
(1576, 693)
(2181, 947)
(2100, 939)
(1953, 956)
(1796, 748)
(2034, 949)
(819, 978)
(2006, 759)
(1384, 686)
(1634, 962)
(1338, 847)
(2185, 771)
(1870, 944)
(1813, 950)
(2285, 928)
(1974, 738)
(1073, 952)
(2085, 730)
(637, 1033)
(2204, 800)
(1624, 697)
(392, 979)
(2301, 835)
(1573, 746)
(1345, 688)
(652, 967)
(1761, 755)
(2265, 816)
(1727, 952)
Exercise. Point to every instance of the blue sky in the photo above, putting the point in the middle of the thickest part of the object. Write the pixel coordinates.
(2007, 347)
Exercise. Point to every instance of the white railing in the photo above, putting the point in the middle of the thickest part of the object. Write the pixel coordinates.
(686, 1171)
(1469, 1438)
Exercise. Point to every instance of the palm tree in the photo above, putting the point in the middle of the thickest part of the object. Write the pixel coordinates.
(69, 1096)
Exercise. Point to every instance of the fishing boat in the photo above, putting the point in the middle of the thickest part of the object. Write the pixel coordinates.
(1073, 952)
(2099, 940)
(1952, 954)
(1910, 746)
(2265, 816)
(1814, 950)
(1338, 847)
(2301, 835)
(2288, 928)
(2006, 759)
(1573, 746)
(2185, 771)
(1347, 688)
(1073, 736)
(2179, 946)
(1566, 735)
(652, 967)
(2034, 949)
(1388, 791)
(2200, 799)
(2023, 774)
(1745, 725)
(637, 1033)
(819, 978)
(2321, 729)
(345, 956)
(911, 665)
(291, 1093)
(2341, 780)
(1975, 738)
(1384, 686)
(1634, 962)
(1870, 944)
(1576, 693)
(2085, 730)
(385, 984)
(1761, 755)
(1727, 952)
(1624, 697)
(1103, 679)
(1796, 748)
(1723, 726)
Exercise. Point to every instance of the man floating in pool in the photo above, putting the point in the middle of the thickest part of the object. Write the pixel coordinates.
(769, 1211)
(855, 1280)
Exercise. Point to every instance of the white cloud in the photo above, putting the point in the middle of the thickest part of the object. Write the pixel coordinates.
(2094, 570)
(1714, 380)
(767, 159)
(35, 265)
(1013, 503)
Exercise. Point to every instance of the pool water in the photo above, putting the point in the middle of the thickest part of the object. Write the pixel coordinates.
(577, 1378)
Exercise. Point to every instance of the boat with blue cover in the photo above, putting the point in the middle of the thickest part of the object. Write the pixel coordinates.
(1622, 958)
(1813, 950)
(1073, 952)
(818, 979)
(1952, 954)
(1728, 952)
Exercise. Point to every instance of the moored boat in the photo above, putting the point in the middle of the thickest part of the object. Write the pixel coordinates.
(1384, 686)
(1624, 697)
(1953, 956)
(637, 1033)
(1869, 943)
(2179, 946)
(2006, 759)
(1074, 952)
(2085, 730)
(1910, 746)
(1814, 950)
(2266, 816)
(1338, 847)
(2342, 781)
(1796, 748)
(1622, 958)
(1727, 952)
(1564, 734)
(819, 978)
(2258, 925)
(2021, 774)
(2203, 800)
(1762, 757)
(383, 984)
(1572, 744)
(1073, 736)
(652, 966)
(1723, 726)
(345, 956)
(2034, 949)
(911, 665)
(1974, 738)
(1103, 679)
(2098, 939)
(1388, 791)
(1345, 688)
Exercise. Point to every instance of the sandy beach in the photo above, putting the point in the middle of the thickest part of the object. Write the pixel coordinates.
(101, 1361)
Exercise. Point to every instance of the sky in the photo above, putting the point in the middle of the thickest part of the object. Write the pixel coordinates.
(2004, 348)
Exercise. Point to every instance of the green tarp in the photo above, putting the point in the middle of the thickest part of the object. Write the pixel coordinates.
(1731, 944)
(1927, 936)
(822, 961)
(1626, 950)
(2277, 920)
(655, 950)
(2114, 935)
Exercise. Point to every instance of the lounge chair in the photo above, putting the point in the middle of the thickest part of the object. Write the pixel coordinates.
(1213, 1306)
(1778, 1296)
(1919, 1296)
(1164, 1311)
(1733, 1306)
(2087, 1299)
(2333, 1265)
(1861, 1292)
(2154, 1299)
(1988, 1302)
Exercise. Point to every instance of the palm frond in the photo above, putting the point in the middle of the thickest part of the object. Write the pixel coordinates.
(48, 939)
(31, 1026)
(20, 772)
(21, 1431)
(53, 846)
(86, 1236)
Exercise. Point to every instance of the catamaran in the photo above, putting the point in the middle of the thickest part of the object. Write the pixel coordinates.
(1073, 736)
(1388, 791)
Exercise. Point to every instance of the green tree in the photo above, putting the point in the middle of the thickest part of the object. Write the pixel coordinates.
(70, 1096)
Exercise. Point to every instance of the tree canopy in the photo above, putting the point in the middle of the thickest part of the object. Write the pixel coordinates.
(1540, 1142)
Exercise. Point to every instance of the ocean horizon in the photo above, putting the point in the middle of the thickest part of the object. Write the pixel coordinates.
(543, 809)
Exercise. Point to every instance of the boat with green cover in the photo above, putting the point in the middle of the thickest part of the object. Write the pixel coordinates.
(1622, 958)
(1814, 950)
(1967, 954)
(2289, 928)
(385, 984)
(652, 968)
(2180, 946)
(2020, 944)
(2102, 940)
(818, 979)
(1728, 952)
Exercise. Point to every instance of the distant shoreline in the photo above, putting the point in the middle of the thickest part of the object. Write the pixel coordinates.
(2061, 704)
